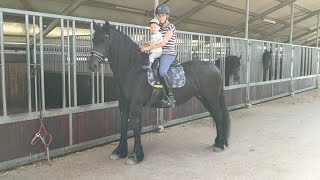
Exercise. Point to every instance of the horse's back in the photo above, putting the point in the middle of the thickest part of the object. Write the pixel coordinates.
(203, 73)
(203, 80)
(202, 69)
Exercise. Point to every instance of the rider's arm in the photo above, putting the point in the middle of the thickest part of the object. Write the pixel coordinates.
(166, 39)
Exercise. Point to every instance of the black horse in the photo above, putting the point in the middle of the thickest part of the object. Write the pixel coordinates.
(232, 68)
(267, 64)
(203, 80)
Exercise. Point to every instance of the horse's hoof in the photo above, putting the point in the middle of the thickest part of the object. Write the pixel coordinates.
(131, 162)
(114, 157)
(160, 129)
(216, 149)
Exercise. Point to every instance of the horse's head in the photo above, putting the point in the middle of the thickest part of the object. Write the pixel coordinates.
(267, 58)
(101, 44)
(235, 67)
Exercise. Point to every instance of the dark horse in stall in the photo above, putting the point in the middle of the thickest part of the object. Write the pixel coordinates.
(267, 64)
(232, 68)
(203, 80)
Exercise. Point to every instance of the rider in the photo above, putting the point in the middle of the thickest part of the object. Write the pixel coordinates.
(156, 38)
(168, 31)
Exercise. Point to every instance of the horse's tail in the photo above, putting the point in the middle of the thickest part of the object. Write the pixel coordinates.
(225, 114)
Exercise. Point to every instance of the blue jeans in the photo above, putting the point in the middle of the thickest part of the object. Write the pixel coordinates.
(165, 62)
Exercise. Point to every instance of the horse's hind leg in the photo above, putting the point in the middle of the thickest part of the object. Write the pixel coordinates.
(220, 116)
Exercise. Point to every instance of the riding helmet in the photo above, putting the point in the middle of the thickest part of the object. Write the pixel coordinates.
(162, 9)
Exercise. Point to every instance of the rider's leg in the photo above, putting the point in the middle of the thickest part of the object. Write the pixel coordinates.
(165, 62)
(152, 57)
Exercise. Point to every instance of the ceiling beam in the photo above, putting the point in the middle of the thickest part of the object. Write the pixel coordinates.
(94, 3)
(26, 5)
(303, 34)
(70, 9)
(312, 13)
(314, 41)
(303, 9)
(263, 14)
(193, 11)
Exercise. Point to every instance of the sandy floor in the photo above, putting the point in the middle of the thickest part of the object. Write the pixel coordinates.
(275, 140)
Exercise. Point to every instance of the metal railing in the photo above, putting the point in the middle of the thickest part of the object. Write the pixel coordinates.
(66, 53)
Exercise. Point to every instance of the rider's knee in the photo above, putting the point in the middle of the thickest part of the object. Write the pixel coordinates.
(162, 72)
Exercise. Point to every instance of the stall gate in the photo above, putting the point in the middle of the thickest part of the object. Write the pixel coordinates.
(79, 109)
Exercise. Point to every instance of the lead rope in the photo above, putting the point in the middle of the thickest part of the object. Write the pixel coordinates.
(42, 133)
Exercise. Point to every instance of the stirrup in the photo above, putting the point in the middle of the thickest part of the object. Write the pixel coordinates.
(147, 66)
(169, 103)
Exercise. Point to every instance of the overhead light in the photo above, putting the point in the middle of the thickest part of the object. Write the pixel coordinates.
(130, 9)
(269, 21)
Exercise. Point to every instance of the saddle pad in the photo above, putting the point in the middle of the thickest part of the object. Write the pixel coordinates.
(176, 76)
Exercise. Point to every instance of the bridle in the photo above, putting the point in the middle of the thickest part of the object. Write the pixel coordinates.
(102, 57)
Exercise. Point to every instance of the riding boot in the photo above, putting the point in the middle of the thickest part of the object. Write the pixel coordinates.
(147, 66)
(171, 101)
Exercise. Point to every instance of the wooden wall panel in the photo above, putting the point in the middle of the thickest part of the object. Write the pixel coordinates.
(15, 138)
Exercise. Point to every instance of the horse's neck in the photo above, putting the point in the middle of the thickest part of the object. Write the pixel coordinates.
(125, 54)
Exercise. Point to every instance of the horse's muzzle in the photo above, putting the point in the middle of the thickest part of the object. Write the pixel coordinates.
(93, 64)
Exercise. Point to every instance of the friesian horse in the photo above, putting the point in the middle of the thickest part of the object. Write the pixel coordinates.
(203, 80)
(232, 68)
(267, 64)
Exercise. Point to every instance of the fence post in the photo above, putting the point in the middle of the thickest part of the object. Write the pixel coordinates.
(317, 80)
(2, 64)
(248, 100)
(291, 71)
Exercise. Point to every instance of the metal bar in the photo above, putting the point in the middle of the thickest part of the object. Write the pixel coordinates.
(291, 70)
(318, 19)
(63, 65)
(291, 25)
(32, 13)
(102, 83)
(318, 68)
(248, 99)
(247, 18)
(98, 92)
(35, 66)
(43, 102)
(56, 112)
(92, 73)
(211, 50)
(69, 63)
(3, 79)
(28, 61)
(74, 57)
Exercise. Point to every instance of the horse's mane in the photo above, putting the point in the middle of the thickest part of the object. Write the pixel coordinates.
(125, 53)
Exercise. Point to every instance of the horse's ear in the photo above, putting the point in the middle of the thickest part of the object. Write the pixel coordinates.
(95, 26)
(106, 26)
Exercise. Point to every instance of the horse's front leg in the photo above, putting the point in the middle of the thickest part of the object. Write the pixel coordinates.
(122, 150)
(137, 154)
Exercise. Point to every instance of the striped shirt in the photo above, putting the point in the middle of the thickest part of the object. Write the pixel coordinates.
(170, 47)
